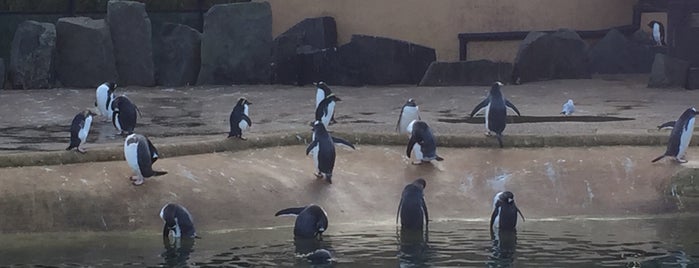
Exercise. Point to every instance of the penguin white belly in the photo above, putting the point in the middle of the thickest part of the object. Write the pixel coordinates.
(320, 95)
(101, 94)
(178, 231)
(487, 112)
(116, 122)
(496, 223)
(685, 138)
(418, 152)
(243, 125)
(131, 155)
(409, 114)
(656, 33)
(326, 117)
(82, 134)
(315, 152)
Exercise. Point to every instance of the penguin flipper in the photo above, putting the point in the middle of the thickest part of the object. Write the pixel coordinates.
(342, 141)
(289, 211)
(670, 124)
(399, 207)
(411, 143)
(424, 210)
(247, 120)
(312, 145)
(166, 230)
(114, 114)
(153, 151)
(658, 158)
(520, 213)
(480, 106)
(492, 218)
(512, 106)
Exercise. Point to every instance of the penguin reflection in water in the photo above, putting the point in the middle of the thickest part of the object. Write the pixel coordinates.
(422, 142)
(323, 149)
(79, 129)
(140, 154)
(680, 137)
(240, 119)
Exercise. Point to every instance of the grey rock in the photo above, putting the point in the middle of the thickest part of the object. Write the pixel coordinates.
(286, 61)
(130, 29)
(31, 55)
(177, 55)
(693, 78)
(84, 55)
(324, 65)
(319, 33)
(2, 73)
(615, 54)
(559, 55)
(466, 73)
(668, 72)
(236, 46)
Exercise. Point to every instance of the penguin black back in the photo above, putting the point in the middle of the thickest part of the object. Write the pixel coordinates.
(238, 118)
(125, 114)
(412, 208)
(178, 219)
(505, 212)
(311, 220)
(422, 134)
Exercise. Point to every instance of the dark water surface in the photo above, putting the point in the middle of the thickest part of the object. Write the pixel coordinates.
(646, 241)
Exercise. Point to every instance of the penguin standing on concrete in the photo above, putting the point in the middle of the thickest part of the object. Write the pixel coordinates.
(680, 136)
(178, 221)
(504, 217)
(323, 149)
(326, 109)
(422, 142)
(311, 221)
(104, 95)
(495, 106)
(124, 115)
(408, 113)
(240, 119)
(79, 129)
(658, 32)
(140, 154)
(412, 209)
(323, 91)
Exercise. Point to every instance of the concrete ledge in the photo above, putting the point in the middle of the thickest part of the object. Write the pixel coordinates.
(270, 140)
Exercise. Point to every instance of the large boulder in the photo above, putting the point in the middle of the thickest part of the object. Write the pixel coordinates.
(177, 55)
(324, 65)
(466, 73)
(310, 34)
(319, 33)
(615, 54)
(84, 55)
(559, 55)
(693, 78)
(2, 73)
(131, 35)
(686, 45)
(236, 45)
(382, 61)
(31, 55)
(668, 72)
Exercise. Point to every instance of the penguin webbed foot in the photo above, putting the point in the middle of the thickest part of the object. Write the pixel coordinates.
(488, 133)
(439, 158)
(419, 162)
(81, 150)
(681, 160)
(318, 175)
(138, 182)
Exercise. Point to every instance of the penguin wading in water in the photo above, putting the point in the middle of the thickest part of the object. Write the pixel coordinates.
(658, 32)
(104, 95)
(240, 119)
(124, 115)
(504, 217)
(79, 129)
(323, 149)
(326, 109)
(408, 113)
(311, 220)
(140, 154)
(495, 106)
(322, 92)
(412, 209)
(178, 221)
(422, 142)
(680, 136)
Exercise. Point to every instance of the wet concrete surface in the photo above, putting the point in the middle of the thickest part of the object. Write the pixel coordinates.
(38, 120)
(244, 189)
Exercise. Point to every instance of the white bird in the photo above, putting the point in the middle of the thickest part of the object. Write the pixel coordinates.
(568, 108)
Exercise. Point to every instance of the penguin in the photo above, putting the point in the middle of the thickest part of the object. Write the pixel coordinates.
(412, 209)
(140, 154)
(177, 220)
(323, 149)
(408, 113)
(495, 106)
(104, 95)
(320, 256)
(323, 91)
(240, 119)
(568, 108)
(124, 115)
(79, 129)
(680, 136)
(326, 109)
(422, 141)
(504, 217)
(311, 221)
(658, 32)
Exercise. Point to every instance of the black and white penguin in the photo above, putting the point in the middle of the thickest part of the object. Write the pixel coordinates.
(140, 154)
(680, 136)
(408, 113)
(323, 91)
(495, 106)
(104, 95)
(412, 209)
(326, 109)
(177, 220)
(323, 149)
(658, 32)
(422, 142)
(79, 129)
(240, 119)
(311, 220)
(504, 217)
(124, 115)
